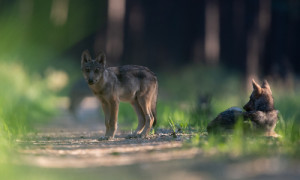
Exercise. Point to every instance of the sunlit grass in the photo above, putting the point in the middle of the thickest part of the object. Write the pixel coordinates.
(240, 144)
(184, 111)
(24, 101)
(170, 116)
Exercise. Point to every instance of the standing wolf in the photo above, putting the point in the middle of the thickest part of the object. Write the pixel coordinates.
(134, 84)
(260, 113)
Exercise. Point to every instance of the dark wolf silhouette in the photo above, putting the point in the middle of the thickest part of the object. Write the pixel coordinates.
(259, 116)
(134, 84)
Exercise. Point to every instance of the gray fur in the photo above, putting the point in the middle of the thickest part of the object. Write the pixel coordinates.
(134, 84)
(259, 111)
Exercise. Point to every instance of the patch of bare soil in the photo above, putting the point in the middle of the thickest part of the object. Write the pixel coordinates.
(68, 146)
(74, 149)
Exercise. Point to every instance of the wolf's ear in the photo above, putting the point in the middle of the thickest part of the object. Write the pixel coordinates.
(101, 58)
(85, 56)
(256, 87)
(266, 85)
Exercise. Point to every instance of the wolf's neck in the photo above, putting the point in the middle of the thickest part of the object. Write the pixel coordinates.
(103, 80)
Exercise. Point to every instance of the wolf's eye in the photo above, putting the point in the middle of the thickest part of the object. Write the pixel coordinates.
(87, 70)
(97, 70)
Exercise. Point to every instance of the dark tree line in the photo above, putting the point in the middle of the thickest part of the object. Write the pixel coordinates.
(264, 34)
(174, 33)
(254, 36)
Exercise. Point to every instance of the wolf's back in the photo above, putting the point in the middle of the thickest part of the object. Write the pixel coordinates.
(225, 120)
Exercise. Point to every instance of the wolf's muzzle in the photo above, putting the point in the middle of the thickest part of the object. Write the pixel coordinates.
(90, 81)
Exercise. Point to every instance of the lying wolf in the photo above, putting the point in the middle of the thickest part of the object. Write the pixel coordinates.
(260, 115)
(136, 85)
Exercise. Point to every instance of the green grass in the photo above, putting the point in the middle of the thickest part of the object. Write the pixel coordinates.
(178, 108)
(24, 101)
(239, 144)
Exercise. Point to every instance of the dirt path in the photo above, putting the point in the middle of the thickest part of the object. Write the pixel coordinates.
(63, 143)
(67, 147)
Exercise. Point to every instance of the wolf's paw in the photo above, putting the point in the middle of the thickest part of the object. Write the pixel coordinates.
(105, 138)
(272, 135)
(132, 136)
(144, 136)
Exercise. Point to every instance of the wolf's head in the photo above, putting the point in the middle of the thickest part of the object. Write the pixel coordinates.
(92, 69)
(261, 98)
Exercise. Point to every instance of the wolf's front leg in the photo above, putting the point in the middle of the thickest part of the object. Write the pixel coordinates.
(106, 111)
(111, 126)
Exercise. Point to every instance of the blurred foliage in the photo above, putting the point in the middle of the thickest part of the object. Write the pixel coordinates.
(14, 172)
(188, 83)
(127, 117)
(24, 101)
(31, 41)
(29, 32)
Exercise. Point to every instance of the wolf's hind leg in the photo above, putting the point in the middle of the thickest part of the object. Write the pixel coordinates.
(140, 115)
(153, 105)
(145, 104)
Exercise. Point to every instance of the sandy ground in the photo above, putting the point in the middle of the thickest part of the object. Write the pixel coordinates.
(66, 145)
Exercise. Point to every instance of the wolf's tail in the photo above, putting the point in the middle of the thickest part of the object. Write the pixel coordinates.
(153, 105)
